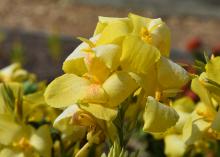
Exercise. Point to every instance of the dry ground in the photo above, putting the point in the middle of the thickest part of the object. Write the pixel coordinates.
(79, 20)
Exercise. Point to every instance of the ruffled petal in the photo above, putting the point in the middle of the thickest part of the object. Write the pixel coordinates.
(138, 22)
(147, 81)
(138, 56)
(113, 33)
(104, 21)
(161, 37)
(158, 117)
(171, 75)
(213, 68)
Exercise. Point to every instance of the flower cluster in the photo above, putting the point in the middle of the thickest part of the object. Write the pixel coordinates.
(125, 65)
(118, 87)
(23, 115)
(198, 127)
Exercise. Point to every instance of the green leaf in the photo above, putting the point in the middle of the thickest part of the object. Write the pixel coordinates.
(206, 57)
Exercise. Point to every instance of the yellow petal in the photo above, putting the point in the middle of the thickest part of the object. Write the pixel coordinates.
(201, 91)
(7, 72)
(160, 34)
(206, 112)
(174, 145)
(6, 152)
(112, 19)
(109, 54)
(171, 75)
(213, 68)
(8, 129)
(41, 141)
(35, 98)
(183, 117)
(67, 113)
(99, 28)
(97, 69)
(100, 111)
(74, 63)
(138, 56)
(104, 21)
(118, 87)
(184, 104)
(84, 151)
(138, 22)
(20, 75)
(216, 122)
(113, 33)
(158, 117)
(212, 86)
(66, 90)
(147, 81)
(69, 89)
(69, 131)
(194, 129)
(95, 94)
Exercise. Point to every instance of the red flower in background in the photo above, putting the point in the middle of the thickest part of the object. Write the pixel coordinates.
(192, 95)
(194, 44)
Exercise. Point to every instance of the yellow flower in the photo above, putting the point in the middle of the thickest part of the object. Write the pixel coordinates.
(174, 143)
(165, 77)
(76, 123)
(7, 72)
(14, 73)
(210, 79)
(100, 70)
(101, 83)
(31, 107)
(151, 31)
(36, 109)
(207, 87)
(23, 139)
(203, 123)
